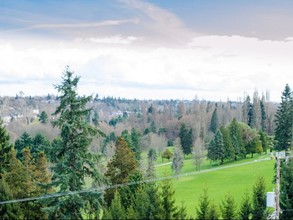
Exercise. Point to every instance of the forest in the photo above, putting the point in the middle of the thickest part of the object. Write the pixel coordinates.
(69, 156)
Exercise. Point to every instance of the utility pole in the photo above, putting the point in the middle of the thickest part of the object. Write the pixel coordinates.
(278, 189)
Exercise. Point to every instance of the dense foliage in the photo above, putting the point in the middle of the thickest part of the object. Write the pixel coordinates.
(136, 136)
(72, 160)
(284, 120)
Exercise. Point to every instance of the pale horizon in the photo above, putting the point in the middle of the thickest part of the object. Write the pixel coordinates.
(148, 49)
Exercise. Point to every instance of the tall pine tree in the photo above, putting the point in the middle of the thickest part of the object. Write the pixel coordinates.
(214, 122)
(236, 138)
(186, 139)
(216, 149)
(259, 199)
(286, 196)
(263, 115)
(72, 160)
(284, 120)
(5, 148)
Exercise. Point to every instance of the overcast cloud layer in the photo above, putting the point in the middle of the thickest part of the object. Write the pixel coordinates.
(142, 49)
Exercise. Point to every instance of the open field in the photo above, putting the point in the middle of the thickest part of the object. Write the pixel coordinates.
(235, 178)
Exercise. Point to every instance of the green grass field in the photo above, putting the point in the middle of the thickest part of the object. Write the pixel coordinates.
(235, 178)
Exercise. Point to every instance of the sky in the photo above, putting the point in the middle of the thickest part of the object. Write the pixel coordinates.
(148, 49)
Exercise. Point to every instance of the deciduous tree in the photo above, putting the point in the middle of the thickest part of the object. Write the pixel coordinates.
(178, 159)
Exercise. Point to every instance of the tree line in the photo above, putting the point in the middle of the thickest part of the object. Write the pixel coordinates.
(34, 166)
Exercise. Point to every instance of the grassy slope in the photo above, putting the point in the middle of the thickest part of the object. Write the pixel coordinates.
(234, 178)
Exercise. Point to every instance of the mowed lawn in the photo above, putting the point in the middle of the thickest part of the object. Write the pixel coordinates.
(235, 178)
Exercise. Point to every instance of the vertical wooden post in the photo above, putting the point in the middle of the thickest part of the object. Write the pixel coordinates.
(278, 189)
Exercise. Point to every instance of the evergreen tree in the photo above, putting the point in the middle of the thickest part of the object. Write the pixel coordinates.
(42, 176)
(229, 152)
(213, 212)
(36, 145)
(264, 140)
(141, 203)
(216, 149)
(24, 141)
(10, 210)
(135, 140)
(259, 199)
(128, 193)
(286, 191)
(250, 114)
(71, 158)
(152, 154)
(228, 207)
(5, 148)
(40, 144)
(20, 177)
(116, 209)
(96, 118)
(43, 117)
(263, 115)
(120, 168)
(169, 206)
(284, 120)
(178, 159)
(245, 207)
(33, 180)
(181, 213)
(186, 139)
(204, 204)
(245, 109)
(236, 138)
(155, 209)
(214, 122)
(131, 213)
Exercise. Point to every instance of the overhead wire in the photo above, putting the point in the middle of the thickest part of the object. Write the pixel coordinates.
(102, 188)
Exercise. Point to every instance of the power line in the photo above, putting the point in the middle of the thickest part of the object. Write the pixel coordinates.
(102, 188)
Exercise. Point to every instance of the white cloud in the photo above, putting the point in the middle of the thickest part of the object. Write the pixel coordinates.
(83, 25)
(211, 67)
(160, 24)
(116, 39)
